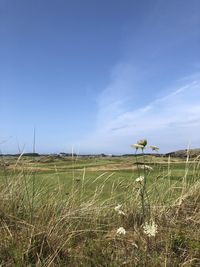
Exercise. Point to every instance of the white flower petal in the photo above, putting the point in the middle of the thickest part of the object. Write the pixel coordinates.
(118, 207)
(121, 231)
(139, 179)
(121, 212)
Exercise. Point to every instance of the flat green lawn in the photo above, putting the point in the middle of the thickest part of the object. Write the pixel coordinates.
(75, 173)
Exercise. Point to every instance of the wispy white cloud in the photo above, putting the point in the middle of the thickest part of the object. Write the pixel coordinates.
(170, 121)
(112, 100)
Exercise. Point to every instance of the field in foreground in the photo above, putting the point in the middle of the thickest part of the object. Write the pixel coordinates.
(94, 211)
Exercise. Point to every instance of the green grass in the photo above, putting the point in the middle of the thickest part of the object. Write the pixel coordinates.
(59, 212)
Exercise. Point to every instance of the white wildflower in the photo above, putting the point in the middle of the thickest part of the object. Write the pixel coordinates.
(139, 179)
(148, 167)
(118, 209)
(121, 231)
(140, 144)
(150, 229)
(137, 146)
(121, 212)
(134, 244)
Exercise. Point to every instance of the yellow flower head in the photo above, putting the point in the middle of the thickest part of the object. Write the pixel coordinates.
(142, 142)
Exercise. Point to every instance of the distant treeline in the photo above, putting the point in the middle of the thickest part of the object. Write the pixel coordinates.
(23, 155)
(192, 153)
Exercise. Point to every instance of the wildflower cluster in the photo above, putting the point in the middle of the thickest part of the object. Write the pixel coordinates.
(140, 144)
(150, 228)
(142, 180)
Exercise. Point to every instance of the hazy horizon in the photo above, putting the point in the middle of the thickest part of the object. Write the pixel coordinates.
(97, 76)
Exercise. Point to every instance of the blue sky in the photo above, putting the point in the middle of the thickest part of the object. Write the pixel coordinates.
(99, 75)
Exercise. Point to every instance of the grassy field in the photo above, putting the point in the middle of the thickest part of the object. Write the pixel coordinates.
(68, 211)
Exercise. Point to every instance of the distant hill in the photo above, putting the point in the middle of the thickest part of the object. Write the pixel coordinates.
(193, 153)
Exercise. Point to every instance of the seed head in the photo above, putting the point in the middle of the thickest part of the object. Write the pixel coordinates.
(154, 148)
(142, 142)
